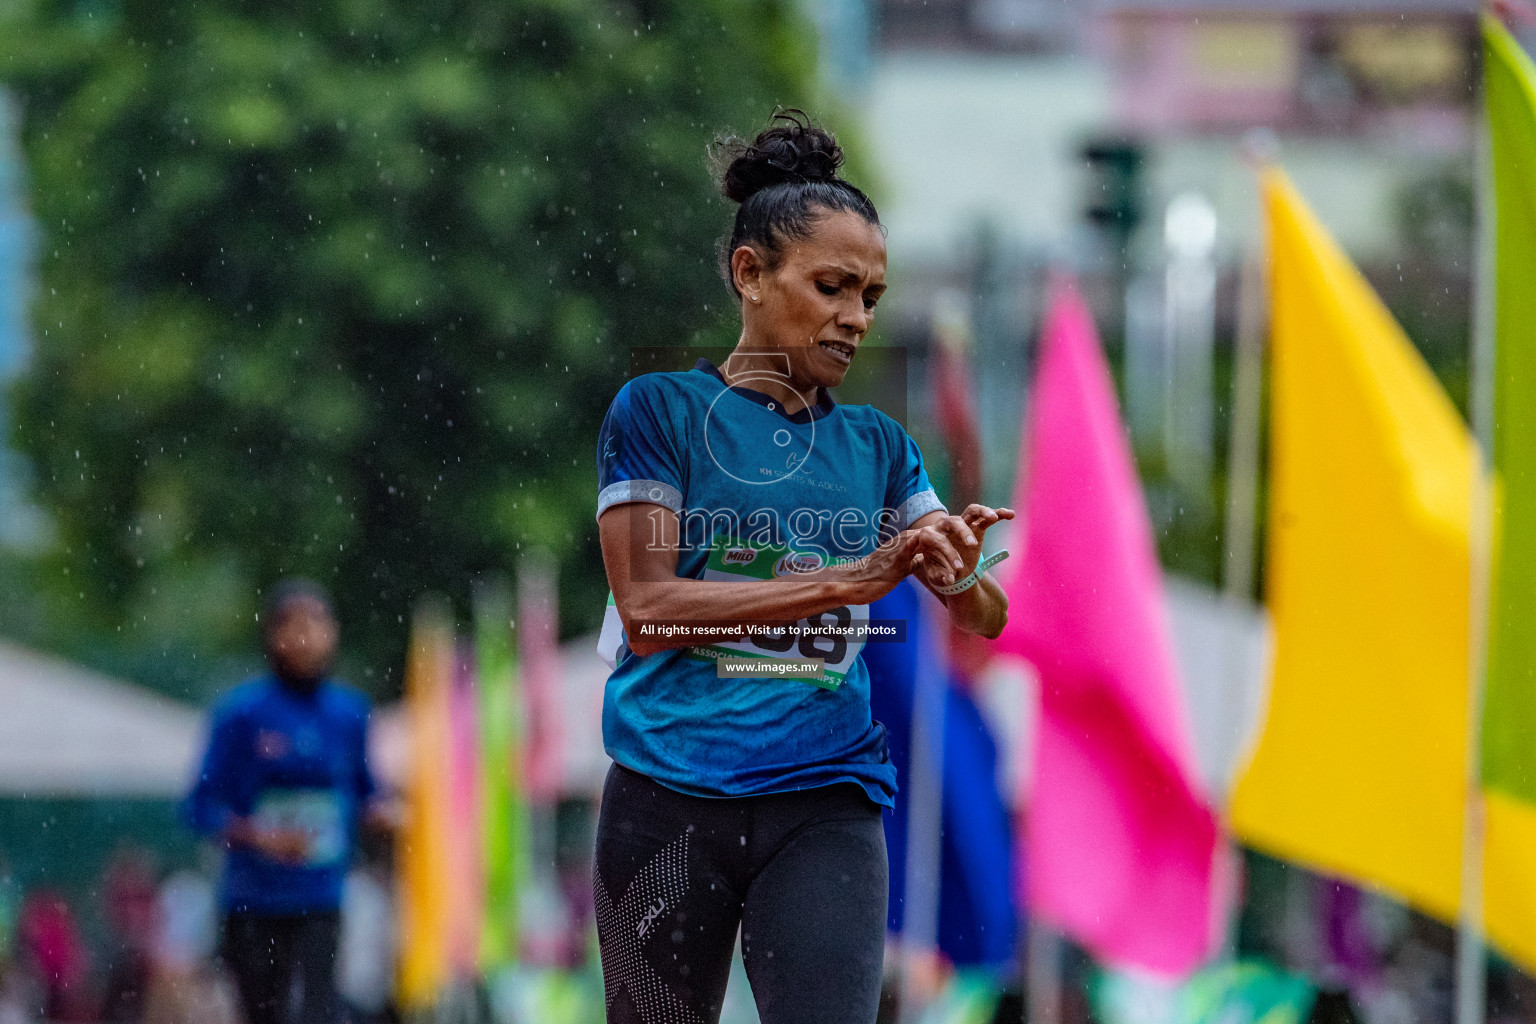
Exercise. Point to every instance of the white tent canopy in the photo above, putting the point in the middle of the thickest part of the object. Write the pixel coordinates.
(66, 731)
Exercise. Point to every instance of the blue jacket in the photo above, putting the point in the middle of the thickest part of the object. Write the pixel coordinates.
(286, 759)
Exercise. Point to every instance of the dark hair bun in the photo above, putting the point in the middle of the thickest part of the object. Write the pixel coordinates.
(784, 180)
(790, 149)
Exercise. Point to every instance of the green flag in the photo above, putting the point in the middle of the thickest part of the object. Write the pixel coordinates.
(504, 814)
(1509, 718)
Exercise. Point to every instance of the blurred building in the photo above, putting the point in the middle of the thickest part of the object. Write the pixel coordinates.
(1011, 136)
(1350, 68)
(1365, 97)
(1009, 97)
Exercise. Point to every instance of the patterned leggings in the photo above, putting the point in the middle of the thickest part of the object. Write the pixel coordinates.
(803, 875)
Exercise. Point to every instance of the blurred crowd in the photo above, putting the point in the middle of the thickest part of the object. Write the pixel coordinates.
(140, 947)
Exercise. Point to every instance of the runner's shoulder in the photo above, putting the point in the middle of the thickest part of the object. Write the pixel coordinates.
(664, 389)
(868, 414)
(346, 699)
(867, 419)
(249, 697)
(664, 402)
(243, 698)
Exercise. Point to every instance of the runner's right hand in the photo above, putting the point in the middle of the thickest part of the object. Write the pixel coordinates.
(284, 845)
(952, 549)
(896, 559)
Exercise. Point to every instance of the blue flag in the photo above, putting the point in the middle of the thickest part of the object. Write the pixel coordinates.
(977, 911)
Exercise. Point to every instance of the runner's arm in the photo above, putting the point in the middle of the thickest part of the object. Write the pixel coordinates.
(639, 542)
(209, 807)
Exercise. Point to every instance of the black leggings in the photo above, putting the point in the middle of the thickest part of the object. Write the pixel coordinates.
(803, 874)
(268, 954)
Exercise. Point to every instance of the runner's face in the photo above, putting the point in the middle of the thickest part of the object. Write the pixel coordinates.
(817, 305)
(301, 643)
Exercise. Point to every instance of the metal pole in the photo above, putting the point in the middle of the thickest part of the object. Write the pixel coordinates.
(1243, 451)
(1241, 513)
(1189, 318)
(1471, 970)
(1043, 981)
(1145, 342)
(1259, 150)
(925, 841)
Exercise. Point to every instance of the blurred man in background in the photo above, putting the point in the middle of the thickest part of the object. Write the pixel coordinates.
(131, 903)
(285, 787)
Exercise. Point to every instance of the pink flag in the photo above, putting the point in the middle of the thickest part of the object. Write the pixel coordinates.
(1121, 844)
(538, 640)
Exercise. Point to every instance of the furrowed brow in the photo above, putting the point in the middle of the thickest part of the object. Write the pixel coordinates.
(845, 275)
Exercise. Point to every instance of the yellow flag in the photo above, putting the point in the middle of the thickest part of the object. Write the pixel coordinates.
(422, 849)
(1360, 769)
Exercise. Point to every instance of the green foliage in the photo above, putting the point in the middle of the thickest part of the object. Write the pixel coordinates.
(343, 289)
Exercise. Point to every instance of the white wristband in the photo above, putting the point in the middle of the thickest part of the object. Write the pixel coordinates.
(960, 586)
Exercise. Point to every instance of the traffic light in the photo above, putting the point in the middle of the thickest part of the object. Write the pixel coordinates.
(1113, 201)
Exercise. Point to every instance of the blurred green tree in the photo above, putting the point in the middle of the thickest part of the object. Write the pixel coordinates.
(343, 289)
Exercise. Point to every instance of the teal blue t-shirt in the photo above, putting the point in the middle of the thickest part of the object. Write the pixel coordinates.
(758, 493)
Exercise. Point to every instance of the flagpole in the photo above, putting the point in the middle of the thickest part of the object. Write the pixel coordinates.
(1042, 983)
(925, 812)
(1042, 941)
(1247, 392)
(1471, 971)
(1241, 515)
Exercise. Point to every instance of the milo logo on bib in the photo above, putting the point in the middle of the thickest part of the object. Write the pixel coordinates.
(739, 556)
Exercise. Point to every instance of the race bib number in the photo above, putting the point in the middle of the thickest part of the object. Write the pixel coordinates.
(836, 648)
(315, 812)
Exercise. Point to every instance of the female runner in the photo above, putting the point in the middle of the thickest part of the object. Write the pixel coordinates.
(743, 494)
